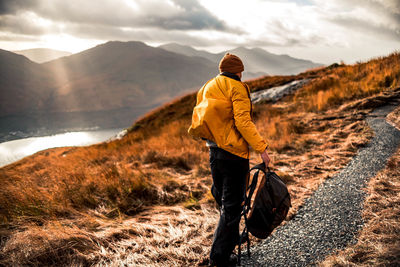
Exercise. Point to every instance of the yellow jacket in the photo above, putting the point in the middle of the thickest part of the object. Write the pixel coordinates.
(223, 115)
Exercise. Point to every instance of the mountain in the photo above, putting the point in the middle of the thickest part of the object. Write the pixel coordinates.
(25, 86)
(249, 72)
(109, 85)
(124, 74)
(190, 51)
(257, 61)
(40, 55)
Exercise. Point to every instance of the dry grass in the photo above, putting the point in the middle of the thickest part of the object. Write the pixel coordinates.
(394, 118)
(164, 237)
(158, 237)
(349, 82)
(51, 244)
(88, 190)
(379, 241)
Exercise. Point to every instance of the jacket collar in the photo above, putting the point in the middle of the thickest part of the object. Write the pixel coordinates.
(231, 75)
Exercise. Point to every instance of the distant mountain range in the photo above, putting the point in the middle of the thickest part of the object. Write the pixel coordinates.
(40, 55)
(257, 61)
(109, 85)
(112, 84)
(124, 74)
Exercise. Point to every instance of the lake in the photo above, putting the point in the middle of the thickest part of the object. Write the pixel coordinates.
(12, 151)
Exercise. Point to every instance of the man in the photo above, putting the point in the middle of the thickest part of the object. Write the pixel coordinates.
(222, 117)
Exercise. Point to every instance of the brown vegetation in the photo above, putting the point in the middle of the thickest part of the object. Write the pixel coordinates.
(75, 197)
(378, 242)
(350, 82)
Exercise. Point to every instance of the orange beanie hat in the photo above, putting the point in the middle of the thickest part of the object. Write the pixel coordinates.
(231, 63)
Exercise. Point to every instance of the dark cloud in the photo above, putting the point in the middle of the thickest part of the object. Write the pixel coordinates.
(13, 6)
(183, 15)
(195, 16)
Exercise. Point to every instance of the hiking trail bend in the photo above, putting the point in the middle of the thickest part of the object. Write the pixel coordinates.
(331, 217)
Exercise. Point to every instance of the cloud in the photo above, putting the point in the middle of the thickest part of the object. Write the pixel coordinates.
(363, 26)
(27, 24)
(279, 25)
(154, 21)
(17, 38)
(129, 34)
(370, 17)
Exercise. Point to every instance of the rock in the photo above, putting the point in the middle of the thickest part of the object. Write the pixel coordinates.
(276, 93)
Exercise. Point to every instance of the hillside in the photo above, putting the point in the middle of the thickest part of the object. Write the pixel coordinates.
(257, 61)
(145, 198)
(40, 55)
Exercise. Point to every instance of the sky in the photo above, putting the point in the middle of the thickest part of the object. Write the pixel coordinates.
(319, 30)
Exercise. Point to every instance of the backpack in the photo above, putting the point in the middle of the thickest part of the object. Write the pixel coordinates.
(266, 205)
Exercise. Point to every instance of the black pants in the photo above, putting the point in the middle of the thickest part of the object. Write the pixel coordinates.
(229, 177)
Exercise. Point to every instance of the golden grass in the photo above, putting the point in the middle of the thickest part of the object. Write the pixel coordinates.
(378, 242)
(349, 82)
(174, 237)
(51, 245)
(157, 163)
(159, 237)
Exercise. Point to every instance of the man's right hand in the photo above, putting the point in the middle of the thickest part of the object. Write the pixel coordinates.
(265, 158)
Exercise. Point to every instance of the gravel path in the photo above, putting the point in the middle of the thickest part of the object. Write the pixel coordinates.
(331, 217)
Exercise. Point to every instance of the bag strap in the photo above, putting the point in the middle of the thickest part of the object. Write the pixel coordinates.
(251, 191)
(253, 185)
(260, 167)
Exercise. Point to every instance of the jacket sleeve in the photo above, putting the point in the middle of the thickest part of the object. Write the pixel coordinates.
(241, 114)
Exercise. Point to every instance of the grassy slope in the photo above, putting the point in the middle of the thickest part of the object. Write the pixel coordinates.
(82, 189)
